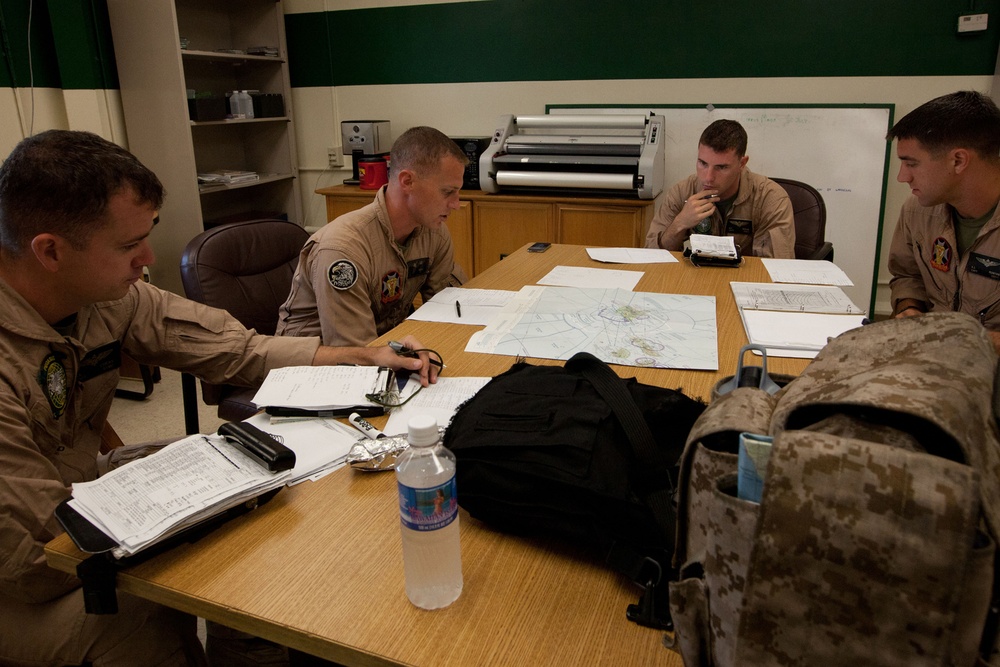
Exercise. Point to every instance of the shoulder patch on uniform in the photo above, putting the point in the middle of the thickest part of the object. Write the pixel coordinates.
(342, 274)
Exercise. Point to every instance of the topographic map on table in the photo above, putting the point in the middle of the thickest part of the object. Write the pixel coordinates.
(615, 325)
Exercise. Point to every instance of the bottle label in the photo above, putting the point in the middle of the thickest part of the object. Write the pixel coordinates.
(428, 509)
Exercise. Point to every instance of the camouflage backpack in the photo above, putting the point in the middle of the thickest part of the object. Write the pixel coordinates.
(874, 541)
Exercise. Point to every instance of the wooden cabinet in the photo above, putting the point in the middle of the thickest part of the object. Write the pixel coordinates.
(490, 226)
(157, 76)
(501, 227)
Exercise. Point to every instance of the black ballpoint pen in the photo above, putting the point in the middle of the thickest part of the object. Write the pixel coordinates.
(458, 309)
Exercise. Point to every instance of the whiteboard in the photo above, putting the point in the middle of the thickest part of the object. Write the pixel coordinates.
(840, 150)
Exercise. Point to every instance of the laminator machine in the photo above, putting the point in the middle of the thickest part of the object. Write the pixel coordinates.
(607, 154)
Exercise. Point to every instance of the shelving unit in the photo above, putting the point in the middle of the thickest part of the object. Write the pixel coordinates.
(156, 75)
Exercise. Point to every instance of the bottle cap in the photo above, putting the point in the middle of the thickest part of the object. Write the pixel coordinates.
(422, 431)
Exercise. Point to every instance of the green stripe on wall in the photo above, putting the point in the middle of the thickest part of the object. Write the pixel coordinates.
(549, 40)
(16, 71)
(82, 34)
(70, 44)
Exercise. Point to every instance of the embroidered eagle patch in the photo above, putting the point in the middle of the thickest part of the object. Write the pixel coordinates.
(342, 274)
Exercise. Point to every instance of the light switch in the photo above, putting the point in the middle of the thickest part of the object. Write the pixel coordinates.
(972, 22)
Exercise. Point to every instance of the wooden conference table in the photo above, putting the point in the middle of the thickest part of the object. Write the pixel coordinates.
(319, 568)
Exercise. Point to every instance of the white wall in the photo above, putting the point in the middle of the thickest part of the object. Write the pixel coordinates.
(471, 109)
(97, 111)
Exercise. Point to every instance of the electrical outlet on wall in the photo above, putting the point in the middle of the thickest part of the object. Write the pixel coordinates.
(334, 156)
(972, 22)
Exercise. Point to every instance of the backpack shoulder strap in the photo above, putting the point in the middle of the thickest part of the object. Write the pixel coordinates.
(613, 391)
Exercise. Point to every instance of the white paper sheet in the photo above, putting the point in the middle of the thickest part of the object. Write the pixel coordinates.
(579, 276)
(440, 400)
(631, 255)
(807, 271)
(477, 306)
(319, 387)
(796, 335)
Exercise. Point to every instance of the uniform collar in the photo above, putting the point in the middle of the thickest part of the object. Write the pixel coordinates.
(386, 223)
(952, 214)
(745, 191)
(19, 317)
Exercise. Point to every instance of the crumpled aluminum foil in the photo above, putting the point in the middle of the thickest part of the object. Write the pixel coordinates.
(376, 455)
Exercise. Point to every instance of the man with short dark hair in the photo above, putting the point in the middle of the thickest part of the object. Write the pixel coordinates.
(945, 252)
(357, 277)
(76, 213)
(724, 198)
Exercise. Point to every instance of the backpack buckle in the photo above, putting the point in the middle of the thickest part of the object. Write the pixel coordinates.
(653, 608)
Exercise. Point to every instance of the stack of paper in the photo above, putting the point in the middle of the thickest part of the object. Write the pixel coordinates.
(180, 485)
(320, 445)
(271, 51)
(709, 250)
(227, 176)
(709, 245)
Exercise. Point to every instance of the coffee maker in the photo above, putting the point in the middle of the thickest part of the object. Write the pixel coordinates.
(364, 139)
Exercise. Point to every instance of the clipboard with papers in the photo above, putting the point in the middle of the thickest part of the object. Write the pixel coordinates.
(709, 250)
(325, 391)
(197, 482)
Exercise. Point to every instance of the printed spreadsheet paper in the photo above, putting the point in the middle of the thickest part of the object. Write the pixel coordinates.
(793, 298)
(183, 483)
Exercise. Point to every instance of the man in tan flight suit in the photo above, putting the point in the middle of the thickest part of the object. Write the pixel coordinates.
(357, 276)
(945, 252)
(724, 198)
(76, 213)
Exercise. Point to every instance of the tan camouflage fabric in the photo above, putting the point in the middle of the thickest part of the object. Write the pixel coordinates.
(930, 376)
(709, 453)
(874, 540)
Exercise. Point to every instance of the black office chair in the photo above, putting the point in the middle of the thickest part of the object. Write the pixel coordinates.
(810, 220)
(245, 268)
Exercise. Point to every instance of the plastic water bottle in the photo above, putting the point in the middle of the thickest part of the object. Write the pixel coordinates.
(428, 513)
(247, 104)
(240, 104)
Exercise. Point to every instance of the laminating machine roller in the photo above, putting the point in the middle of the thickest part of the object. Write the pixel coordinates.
(609, 154)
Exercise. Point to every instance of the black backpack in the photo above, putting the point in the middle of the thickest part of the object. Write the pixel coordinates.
(578, 453)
